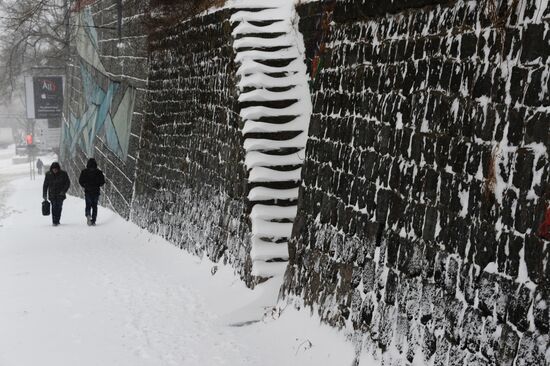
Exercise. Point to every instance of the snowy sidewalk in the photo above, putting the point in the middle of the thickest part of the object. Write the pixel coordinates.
(116, 295)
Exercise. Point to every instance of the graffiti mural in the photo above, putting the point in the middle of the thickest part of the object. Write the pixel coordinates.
(108, 104)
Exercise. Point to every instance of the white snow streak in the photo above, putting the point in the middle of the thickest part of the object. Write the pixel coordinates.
(273, 60)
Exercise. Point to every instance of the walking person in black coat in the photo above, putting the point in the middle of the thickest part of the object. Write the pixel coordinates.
(91, 179)
(56, 185)
(39, 166)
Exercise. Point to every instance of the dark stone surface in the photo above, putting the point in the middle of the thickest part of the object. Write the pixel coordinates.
(508, 345)
(541, 310)
(519, 304)
(182, 145)
(437, 122)
(529, 351)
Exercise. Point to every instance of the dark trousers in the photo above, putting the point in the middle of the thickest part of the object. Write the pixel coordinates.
(57, 206)
(91, 205)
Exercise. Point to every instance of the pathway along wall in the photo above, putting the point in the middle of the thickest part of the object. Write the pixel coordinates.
(423, 214)
(158, 110)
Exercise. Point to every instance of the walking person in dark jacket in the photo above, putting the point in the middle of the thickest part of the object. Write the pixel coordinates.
(91, 179)
(56, 185)
(39, 166)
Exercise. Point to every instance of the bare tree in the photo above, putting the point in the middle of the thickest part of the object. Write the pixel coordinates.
(37, 33)
(32, 33)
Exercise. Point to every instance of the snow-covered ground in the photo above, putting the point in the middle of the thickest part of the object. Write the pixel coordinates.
(116, 295)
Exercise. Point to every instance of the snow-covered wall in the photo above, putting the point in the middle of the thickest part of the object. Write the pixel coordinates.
(191, 181)
(423, 218)
(175, 156)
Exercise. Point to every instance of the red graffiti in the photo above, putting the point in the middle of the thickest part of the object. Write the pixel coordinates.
(316, 64)
(544, 228)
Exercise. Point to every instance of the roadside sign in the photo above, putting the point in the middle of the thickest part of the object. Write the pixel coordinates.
(44, 96)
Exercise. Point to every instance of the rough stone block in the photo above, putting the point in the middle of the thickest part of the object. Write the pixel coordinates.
(430, 223)
(518, 308)
(518, 84)
(451, 276)
(428, 262)
(534, 45)
(467, 282)
(387, 319)
(468, 45)
(529, 352)
(393, 244)
(367, 309)
(471, 325)
(534, 257)
(457, 355)
(541, 310)
(369, 272)
(508, 345)
(426, 307)
(392, 283)
(523, 172)
(452, 316)
(356, 306)
(441, 356)
(429, 343)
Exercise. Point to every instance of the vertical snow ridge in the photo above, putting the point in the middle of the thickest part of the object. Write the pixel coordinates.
(275, 105)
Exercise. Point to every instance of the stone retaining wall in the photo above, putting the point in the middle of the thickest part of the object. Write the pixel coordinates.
(423, 219)
(191, 180)
(425, 187)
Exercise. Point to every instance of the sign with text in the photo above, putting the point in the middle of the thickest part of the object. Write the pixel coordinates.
(44, 96)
